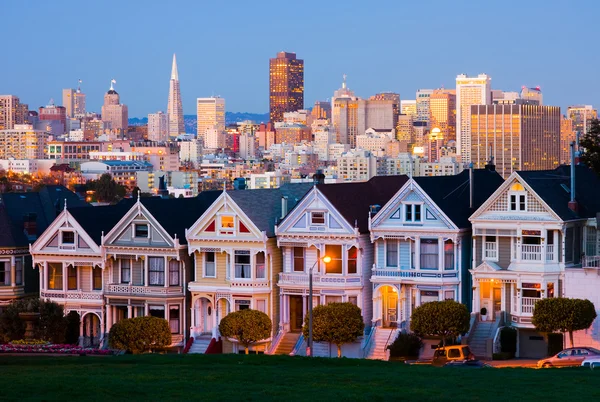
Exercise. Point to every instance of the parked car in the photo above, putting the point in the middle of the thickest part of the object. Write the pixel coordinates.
(447, 354)
(591, 362)
(569, 357)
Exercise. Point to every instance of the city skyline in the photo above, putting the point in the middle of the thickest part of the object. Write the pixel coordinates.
(235, 64)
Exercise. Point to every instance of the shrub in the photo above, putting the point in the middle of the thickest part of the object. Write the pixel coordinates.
(508, 340)
(445, 319)
(336, 323)
(52, 324)
(406, 345)
(140, 334)
(247, 326)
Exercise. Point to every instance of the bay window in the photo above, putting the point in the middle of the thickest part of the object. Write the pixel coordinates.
(174, 273)
(260, 265)
(125, 271)
(71, 278)
(335, 253)
(174, 319)
(19, 271)
(429, 254)
(242, 264)
(448, 255)
(55, 276)
(352, 260)
(156, 271)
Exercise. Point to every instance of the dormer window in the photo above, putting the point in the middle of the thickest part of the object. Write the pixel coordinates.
(141, 230)
(412, 212)
(317, 218)
(517, 198)
(68, 237)
(227, 224)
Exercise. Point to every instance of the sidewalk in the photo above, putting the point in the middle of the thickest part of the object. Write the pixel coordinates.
(530, 363)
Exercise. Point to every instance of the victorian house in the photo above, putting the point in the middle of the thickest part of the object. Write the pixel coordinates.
(535, 238)
(237, 261)
(331, 220)
(23, 218)
(422, 243)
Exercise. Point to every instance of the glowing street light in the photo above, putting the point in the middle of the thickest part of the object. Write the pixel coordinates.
(326, 259)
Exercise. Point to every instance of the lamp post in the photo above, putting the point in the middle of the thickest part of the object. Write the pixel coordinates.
(326, 260)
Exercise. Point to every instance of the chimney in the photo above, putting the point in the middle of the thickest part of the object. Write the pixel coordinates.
(471, 185)
(30, 224)
(573, 206)
(319, 177)
(284, 206)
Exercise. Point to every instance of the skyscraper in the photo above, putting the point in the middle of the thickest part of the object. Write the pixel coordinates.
(532, 95)
(345, 115)
(11, 112)
(381, 99)
(408, 107)
(286, 85)
(423, 105)
(581, 116)
(114, 114)
(469, 91)
(210, 115)
(158, 127)
(519, 136)
(68, 101)
(174, 108)
(79, 104)
(567, 136)
(442, 113)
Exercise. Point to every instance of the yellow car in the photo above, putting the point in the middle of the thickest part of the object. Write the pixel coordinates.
(447, 354)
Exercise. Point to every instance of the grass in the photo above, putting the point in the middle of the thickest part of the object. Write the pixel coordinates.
(259, 378)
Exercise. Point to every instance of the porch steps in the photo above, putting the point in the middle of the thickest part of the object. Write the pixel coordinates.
(377, 351)
(483, 331)
(200, 344)
(287, 343)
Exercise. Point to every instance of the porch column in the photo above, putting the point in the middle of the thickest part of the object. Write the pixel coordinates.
(129, 311)
(458, 268)
(555, 256)
(281, 309)
(417, 263)
(398, 315)
(13, 272)
(45, 283)
(441, 259)
(146, 309)
(304, 306)
(166, 272)
(42, 271)
(476, 296)
(65, 268)
(503, 297)
(109, 317)
(145, 265)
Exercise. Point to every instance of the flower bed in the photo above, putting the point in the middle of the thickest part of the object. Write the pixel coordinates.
(52, 349)
(30, 342)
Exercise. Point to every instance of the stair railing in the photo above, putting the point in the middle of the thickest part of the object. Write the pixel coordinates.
(392, 332)
(275, 342)
(188, 345)
(367, 345)
(298, 345)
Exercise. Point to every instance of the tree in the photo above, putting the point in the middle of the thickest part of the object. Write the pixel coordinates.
(106, 189)
(246, 326)
(446, 319)
(590, 143)
(140, 334)
(563, 315)
(52, 325)
(336, 323)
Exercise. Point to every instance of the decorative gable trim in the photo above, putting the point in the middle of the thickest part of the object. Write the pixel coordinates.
(49, 241)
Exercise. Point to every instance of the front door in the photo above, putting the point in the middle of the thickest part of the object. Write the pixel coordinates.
(390, 312)
(497, 302)
(296, 313)
(207, 316)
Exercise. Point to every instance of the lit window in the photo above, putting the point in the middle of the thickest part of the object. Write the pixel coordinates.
(227, 222)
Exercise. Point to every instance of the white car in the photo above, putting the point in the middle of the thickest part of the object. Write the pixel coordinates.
(591, 362)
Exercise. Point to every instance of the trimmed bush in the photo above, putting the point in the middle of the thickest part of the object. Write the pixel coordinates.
(508, 341)
(560, 314)
(246, 326)
(444, 319)
(140, 334)
(406, 345)
(51, 327)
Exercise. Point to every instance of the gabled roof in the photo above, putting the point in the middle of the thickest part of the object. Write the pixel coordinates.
(353, 200)
(45, 204)
(263, 206)
(98, 220)
(554, 187)
(452, 193)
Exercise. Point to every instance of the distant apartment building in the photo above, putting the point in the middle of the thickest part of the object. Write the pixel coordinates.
(286, 85)
(123, 172)
(54, 113)
(158, 127)
(265, 136)
(581, 116)
(268, 180)
(442, 112)
(190, 151)
(23, 142)
(357, 165)
(247, 146)
(72, 150)
(375, 140)
(422, 105)
(162, 156)
(210, 114)
(469, 91)
(408, 164)
(12, 112)
(291, 133)
(518, 137)
(114, 114)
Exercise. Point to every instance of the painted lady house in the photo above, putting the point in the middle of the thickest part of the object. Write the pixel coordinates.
(237, 261)
(331, 220)
(422, 241)
(535, 238)
(147, 263)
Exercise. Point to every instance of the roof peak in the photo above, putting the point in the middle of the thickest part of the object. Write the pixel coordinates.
(174, 73)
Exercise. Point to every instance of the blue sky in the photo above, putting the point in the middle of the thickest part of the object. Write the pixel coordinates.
(223, 48)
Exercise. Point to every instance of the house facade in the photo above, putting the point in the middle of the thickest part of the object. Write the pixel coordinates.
(237, 261)
(529, 243)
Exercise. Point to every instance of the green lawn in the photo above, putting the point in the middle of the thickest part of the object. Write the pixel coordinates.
(235, 377)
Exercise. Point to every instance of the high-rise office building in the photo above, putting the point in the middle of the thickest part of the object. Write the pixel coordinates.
(532, 95)
(12, 112)
(114, 114)
(210, 115)
(158, 127)
(442, 113)
(175, 108)
(345, 115)
(68, 101)
(581, 116)
(519, 136)
(387, 98)
(286, 85)
(321, 110)
(408, 107)
(422, 101)
(469, 91)
(567, 136)
(405, 133)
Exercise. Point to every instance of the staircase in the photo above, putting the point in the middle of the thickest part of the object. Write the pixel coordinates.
(377, 350)
(287, 343)
(200, 344)
(484, 331)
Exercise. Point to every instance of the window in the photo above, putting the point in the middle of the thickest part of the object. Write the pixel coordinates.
(352, 260)
(261, 305)
(156, 271)
(157, 311)
(5, 274)
(391, 253)
(449, 295)
(453, 353)
(18, 271)
(298, 259)
(335, 265)
(429, 254)
(317, 218)
(174, 319)
(125, 271)
(242, 305)
(333, 299)
(55, 276)
(141, 230)
(242, 264)
(260, 265)
(97, 278)
(408, 213)
(518, 202)
(71, 278)
(209, 265)
(417, 209)
(448, 255)
(173, 273)
(412, 212)
(353, 300)
(227, 222)
(68, 237)
(490, 248)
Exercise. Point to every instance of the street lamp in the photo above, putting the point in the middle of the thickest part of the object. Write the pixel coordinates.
(326, 259)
